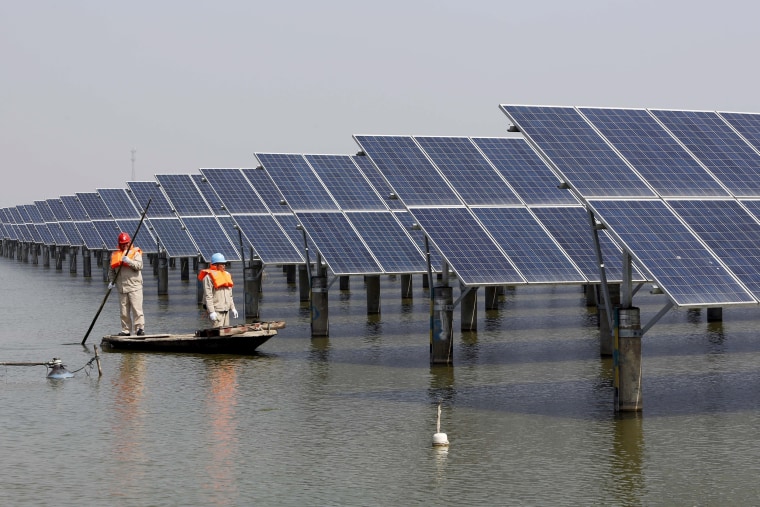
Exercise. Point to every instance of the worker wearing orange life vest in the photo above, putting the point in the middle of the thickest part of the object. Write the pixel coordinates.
(217, 291)
(125, 275)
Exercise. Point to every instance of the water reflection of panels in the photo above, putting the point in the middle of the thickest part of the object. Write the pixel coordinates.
(470, 251)
(119, 205)
(142, 192)
(388, 241)
(342, 249)
(270, 241)
(529, 246)
(210, 238)
(173, 237)
(670, 253)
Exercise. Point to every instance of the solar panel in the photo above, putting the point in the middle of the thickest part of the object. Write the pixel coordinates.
(35, 235)
(59, 238)
(172, 236)
(289, 224)
(341, 247)
(730, 231)
(408, 171)
(208, 235)
(668, 250)
(296, 181)
(391, 245)
(39, 223)
(119, 205)
(717, 146)
(144, 191)
(44, 208)
(476, 181)
(407, 221)
(183, 195)
(374, 176)
(74, 208)
(345, 182)
(583, 158)
(94, 206)
(470, 251)
(213, 200)
(535, 254)
(747, 124)
(270, 241)
(72, 233)
(525, 171)
(653, 152)
(234, 190)
(266, 189)
(91, 234)
(58, 210)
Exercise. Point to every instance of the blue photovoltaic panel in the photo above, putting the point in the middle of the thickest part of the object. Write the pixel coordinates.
(27, 220)
(183, 195)
(388, 241)
(345, 182)
(585, 160)
(144, 239)
(58, 210)
(529, 246)
(91, 235)
(717, 146)
(59, 238)
(374, 176)
(94, 206)
(289, 224)
(143, 192)
(105, 235)
(74, 208)
(466, 247)
(476, 181)
(731, 232)
(296, 181)
(653, 152)
(213, 200)
(525, 171)
(44, 208)
(39, 223)
(71, 231)
(571, 227)
(408, 171)
(407, 222)
(668, 250)
(234, 190)
(118, 203)
(208, 234)
(340, 246)
(173, 237)
(266, 189)
(269, 240)
(230, 227)
(747, 124)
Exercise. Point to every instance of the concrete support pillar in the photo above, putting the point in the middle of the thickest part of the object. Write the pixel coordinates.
(195, 265)
(198, 284)
(73, 260)
(99, 254)
(470, 309)
(320, 323)
(35, 253)
(372, 283)
(45, 256)
(345, 282)
(407, 287)
(715, 314)
(59, 258)
(441, 331)
(184, 269)
(590, 291)
(605, 331)
(106, 264)
(86, 263)
(163, 273)
(425, 281)
(290, 273)
(253, 290)
(492, 297)
(303, 283)
(627, 360)
(25, 253)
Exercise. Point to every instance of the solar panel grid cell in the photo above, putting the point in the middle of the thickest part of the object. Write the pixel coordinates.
(119, 205)
(234, 190)
(266, 189)
(74, 208)
(141, 192)
(269, 240)
(387, 240)
(210, 196)
(171, 236)
(345, 182)
(297, 182)
(377, 181)
(183, 195)
(94, 206)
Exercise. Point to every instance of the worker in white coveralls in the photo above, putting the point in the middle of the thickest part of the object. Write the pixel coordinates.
(217, 291)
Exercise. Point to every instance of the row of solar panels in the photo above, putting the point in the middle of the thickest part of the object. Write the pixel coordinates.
(670, 185)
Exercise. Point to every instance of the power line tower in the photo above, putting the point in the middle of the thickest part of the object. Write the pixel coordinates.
(133, 151)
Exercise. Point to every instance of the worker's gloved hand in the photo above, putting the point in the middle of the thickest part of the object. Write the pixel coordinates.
(111, 286)
(126, 260)
(212, 316)
(234, 314)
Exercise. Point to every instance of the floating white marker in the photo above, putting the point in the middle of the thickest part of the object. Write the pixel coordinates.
(439, 439)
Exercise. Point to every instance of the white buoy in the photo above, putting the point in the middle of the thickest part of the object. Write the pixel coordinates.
(439, 439)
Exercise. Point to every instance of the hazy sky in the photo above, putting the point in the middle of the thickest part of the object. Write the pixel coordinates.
(192, 84)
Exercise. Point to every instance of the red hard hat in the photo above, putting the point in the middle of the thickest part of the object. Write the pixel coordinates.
(124, 238)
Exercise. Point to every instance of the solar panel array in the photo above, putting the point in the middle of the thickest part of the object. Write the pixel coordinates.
(691, 233)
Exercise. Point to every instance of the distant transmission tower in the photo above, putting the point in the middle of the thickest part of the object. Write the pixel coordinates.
(133, 164)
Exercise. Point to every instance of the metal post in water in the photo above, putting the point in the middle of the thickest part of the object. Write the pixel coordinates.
(492, 297)
(469, 309)
(184, 269)
(627, 360)
(373, 294)
(407, 288)
(441, 332)
(345, 282)
(163, 273)
(253, 289)
(320, 324)
(303, 283)
(198, 284)
(86, 262)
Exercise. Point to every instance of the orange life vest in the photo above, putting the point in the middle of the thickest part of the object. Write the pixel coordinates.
(219, 278)
(118, 255)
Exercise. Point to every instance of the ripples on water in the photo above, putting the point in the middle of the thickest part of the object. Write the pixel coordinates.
(349, 419)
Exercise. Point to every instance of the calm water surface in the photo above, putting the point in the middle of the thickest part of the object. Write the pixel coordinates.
(349, 419)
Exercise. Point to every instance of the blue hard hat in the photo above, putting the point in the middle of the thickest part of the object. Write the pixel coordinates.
(218, 258)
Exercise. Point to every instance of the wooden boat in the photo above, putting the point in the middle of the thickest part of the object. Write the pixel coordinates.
(243, 339)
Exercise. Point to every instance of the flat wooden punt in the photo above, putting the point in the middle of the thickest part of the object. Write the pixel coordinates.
(232, 340)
